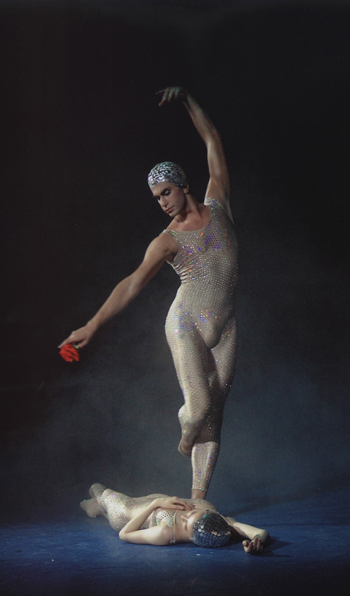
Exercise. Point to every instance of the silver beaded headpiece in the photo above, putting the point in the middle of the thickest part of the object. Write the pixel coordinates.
(211, 530)
(167, 171)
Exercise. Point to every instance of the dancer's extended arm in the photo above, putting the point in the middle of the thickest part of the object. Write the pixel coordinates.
(219, 182)
(158, 535)
(256, 538)
(161, 249)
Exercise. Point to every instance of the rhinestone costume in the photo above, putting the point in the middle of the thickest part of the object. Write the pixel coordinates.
(201, 333)
(119, 509)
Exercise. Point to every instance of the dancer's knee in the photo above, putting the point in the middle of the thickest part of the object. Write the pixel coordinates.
(194, 418)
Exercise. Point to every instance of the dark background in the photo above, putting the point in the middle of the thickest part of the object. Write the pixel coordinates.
(80, 130)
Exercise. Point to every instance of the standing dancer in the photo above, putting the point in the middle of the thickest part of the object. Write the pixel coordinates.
(200, 243)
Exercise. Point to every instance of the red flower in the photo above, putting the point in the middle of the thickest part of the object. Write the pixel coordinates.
(69, 352)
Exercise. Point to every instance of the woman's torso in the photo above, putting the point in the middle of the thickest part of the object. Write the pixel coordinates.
(167, 515)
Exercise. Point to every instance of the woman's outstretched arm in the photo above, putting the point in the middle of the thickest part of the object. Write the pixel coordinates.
(219, 179)
(255, 538)
(160, 250)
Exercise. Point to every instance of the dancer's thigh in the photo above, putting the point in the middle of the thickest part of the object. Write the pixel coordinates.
(192, 362)
(224, 356)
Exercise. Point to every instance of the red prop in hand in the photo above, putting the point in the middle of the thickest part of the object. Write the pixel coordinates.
(69, 353)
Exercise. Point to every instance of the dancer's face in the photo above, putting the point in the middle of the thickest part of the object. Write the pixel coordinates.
(171, 198)
(189, 518)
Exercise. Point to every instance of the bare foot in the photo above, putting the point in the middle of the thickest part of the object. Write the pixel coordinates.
(96, 490)
(91, 507)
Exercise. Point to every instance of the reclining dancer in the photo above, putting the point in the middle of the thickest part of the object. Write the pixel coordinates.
(161, 520)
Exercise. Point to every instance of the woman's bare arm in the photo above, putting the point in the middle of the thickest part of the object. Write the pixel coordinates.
(160, 250)
(255, 538)
(219, 179)
(157, 536)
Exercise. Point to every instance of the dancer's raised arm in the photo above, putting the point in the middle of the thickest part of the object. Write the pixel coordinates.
(161, 249)
(219, 181)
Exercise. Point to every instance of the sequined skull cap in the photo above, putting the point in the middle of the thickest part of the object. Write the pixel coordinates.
(167, 171)
(211, 530)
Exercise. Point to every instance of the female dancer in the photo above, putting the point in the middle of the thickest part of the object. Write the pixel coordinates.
(161, 520)
(200, 243)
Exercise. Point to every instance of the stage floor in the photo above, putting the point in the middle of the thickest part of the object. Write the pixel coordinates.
(309, 555)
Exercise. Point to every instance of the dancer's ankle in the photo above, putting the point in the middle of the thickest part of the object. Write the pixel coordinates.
(198, 493)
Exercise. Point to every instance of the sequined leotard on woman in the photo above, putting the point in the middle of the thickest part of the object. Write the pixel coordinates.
(201, 333)
(119, 509)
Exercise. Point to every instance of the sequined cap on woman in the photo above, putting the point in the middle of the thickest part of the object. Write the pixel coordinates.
(211, 530)
(167, 171)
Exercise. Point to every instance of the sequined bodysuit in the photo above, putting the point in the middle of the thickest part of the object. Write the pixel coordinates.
(119, 509)
(201, 333)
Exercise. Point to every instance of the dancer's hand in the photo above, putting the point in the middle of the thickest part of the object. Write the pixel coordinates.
(173, 503)
(171, 94)
(253, 546)
(80, 337)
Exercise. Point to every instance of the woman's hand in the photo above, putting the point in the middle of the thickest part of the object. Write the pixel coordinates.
(253, 546)
(171, 94)
(80, 337)
(173, 503)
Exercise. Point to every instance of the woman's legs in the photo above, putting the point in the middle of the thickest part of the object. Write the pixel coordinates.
(116, 507)
(92, 507)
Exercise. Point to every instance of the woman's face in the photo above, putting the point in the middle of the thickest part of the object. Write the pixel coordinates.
(189, 518)
(171, 198)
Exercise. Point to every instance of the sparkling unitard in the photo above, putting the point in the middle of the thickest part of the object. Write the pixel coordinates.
(201, 333)
(119, 509)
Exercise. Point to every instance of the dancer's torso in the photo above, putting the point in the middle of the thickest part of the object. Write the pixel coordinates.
(206, 263)
(168, 515)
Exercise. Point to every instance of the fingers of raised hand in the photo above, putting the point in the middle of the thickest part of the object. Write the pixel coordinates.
(171, 94)
(165, 96)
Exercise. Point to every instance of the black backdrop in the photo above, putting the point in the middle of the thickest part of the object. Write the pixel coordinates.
(80, 131)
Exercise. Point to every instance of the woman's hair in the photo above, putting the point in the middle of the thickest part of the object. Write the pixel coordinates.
(167, 171)
(211, 530)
